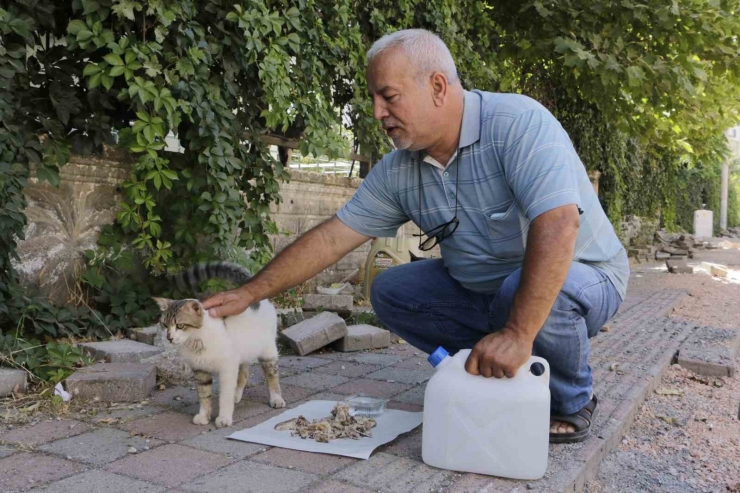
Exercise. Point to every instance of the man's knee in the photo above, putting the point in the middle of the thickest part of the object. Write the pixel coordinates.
(379, 289)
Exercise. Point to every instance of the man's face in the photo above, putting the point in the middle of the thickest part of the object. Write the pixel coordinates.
(401, 104)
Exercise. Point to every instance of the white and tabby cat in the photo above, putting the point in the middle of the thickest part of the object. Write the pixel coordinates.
(222, 346)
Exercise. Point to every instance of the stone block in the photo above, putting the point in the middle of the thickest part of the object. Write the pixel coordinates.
(315, 333)
(674, 251)
(146, 335)
(287, 317)
(681, 269)
(113, 382)
(361, 337)
(123, 351)
(662, 255)
(328, 302)
(251, 477)
(9, 379)
(710, 351)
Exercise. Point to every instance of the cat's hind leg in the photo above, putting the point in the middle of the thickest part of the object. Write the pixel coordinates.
(204, 385)
(270, 369)
(241, 382)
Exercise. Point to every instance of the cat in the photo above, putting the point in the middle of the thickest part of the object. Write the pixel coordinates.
(222, 346)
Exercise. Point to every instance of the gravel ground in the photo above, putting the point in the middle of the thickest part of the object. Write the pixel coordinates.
(686, 437)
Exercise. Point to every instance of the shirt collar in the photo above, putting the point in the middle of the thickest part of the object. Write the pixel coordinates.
(469, 130)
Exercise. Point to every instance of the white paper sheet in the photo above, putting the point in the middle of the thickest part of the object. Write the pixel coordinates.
(390, 424)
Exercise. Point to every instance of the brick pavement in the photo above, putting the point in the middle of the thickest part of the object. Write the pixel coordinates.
(179, 456)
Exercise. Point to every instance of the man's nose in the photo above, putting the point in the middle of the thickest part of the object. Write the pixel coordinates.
(379, 109)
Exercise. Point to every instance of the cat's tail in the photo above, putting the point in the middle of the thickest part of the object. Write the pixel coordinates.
(190, 279)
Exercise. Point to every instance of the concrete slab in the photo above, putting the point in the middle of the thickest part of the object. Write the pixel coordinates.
(25, 470)
(315, 333)
(262, 478)
(98, 447)
(10, 380)
(102, 482)
(114, 382)
(360, 337)
(122, 351)
(710, 351)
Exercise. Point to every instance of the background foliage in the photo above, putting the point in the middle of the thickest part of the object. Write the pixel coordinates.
(645, 89)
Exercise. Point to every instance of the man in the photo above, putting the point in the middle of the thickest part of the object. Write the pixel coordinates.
(530, 263)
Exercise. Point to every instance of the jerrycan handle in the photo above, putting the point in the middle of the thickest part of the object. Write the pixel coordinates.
(528, 370)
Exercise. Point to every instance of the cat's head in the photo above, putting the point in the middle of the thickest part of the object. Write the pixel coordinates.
(180, 318)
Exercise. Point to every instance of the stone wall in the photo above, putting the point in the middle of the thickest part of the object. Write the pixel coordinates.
(638, 231)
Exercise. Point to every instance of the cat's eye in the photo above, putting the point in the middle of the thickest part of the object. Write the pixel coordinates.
(180, 327)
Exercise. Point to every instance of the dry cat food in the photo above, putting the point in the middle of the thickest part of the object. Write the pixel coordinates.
(339, 425)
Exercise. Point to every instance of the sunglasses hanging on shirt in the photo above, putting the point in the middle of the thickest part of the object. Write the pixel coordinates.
(439, 233)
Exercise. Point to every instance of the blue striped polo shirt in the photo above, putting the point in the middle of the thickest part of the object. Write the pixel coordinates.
(515, 162)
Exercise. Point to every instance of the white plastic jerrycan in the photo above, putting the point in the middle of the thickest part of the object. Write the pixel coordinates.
(498, 427)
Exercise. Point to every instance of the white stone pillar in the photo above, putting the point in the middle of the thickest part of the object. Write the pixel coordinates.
(723, 197)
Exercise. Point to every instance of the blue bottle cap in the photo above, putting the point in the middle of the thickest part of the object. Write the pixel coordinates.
(437, 356)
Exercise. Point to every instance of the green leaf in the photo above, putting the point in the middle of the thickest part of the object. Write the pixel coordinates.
(116, 71)
(113, 59)
(91, 69)
(107, 81)
(75, 27)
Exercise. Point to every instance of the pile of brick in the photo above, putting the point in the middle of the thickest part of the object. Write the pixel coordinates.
(676, 248)
(321, 323)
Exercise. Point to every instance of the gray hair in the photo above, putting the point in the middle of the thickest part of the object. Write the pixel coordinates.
(426, 51)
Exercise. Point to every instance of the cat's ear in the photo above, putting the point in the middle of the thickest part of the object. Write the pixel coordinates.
(196, 307)
(163, 303)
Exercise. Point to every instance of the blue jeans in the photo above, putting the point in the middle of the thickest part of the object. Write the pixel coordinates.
(424, 305)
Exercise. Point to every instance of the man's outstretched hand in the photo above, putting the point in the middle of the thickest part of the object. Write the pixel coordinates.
(228, 303)
(499, 354)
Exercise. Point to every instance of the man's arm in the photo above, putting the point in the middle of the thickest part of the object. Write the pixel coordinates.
(550, 246)
(316, 250)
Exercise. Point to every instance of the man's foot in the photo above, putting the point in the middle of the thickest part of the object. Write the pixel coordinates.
(574, 427)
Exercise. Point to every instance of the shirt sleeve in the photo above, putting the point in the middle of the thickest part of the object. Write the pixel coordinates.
(374, 210)
(540, 164)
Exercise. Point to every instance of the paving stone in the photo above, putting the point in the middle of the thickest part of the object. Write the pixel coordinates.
(45, 432)
(6, 451)
(346, 369)
(413, 396)
(404, 406)
(169, 465)
(662, 256)
(415, 363)
(289, 392)
(114, 382)
(98, 447)
(122, 415)
(407, 445)
(300, 363)
(120, 351)
(710, 351)
(315, 381)
(260, 418)
(332, 486)
(402, 375)
(478, 483)
(146, 335)
(102, 482)
(394, 474)
(9, 379)
(216, 442)
(679, 267)
(287, 317)
(177, 397)
(370, 387)
(321, 464)
(374, 359)
(251, 477)
(328, 302)
(25, 470)
(168, 427)
(361, 337)
(315, 333)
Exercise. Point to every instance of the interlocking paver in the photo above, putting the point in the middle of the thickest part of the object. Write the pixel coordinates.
(387, 472)
(374, 359)
(346, 369)
(25, 470)
(98, 447)
(315, 333)
(315, 381)
(321, 464)
(251, 477)
(403, 375)
(332, 486)
(289, 392)
(478, 483)
(113, 382)
(166, 426)
(216, 442)
(124, 414)
(371, 387)
(177, 397)
(121, 351)
(414, 396)
(102, 482)
(408, 445)
(169, 465)
(45, 432)
(301, 363)
(415, 363)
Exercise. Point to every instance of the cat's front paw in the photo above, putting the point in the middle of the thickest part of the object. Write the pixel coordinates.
(200, 419)
(223, 422)
(277, 402)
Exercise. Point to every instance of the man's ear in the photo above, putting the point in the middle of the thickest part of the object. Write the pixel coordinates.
(163, 303)
(439, 88)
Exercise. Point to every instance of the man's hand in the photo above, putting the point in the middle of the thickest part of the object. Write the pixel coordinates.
(228, 303)
(499, 354)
